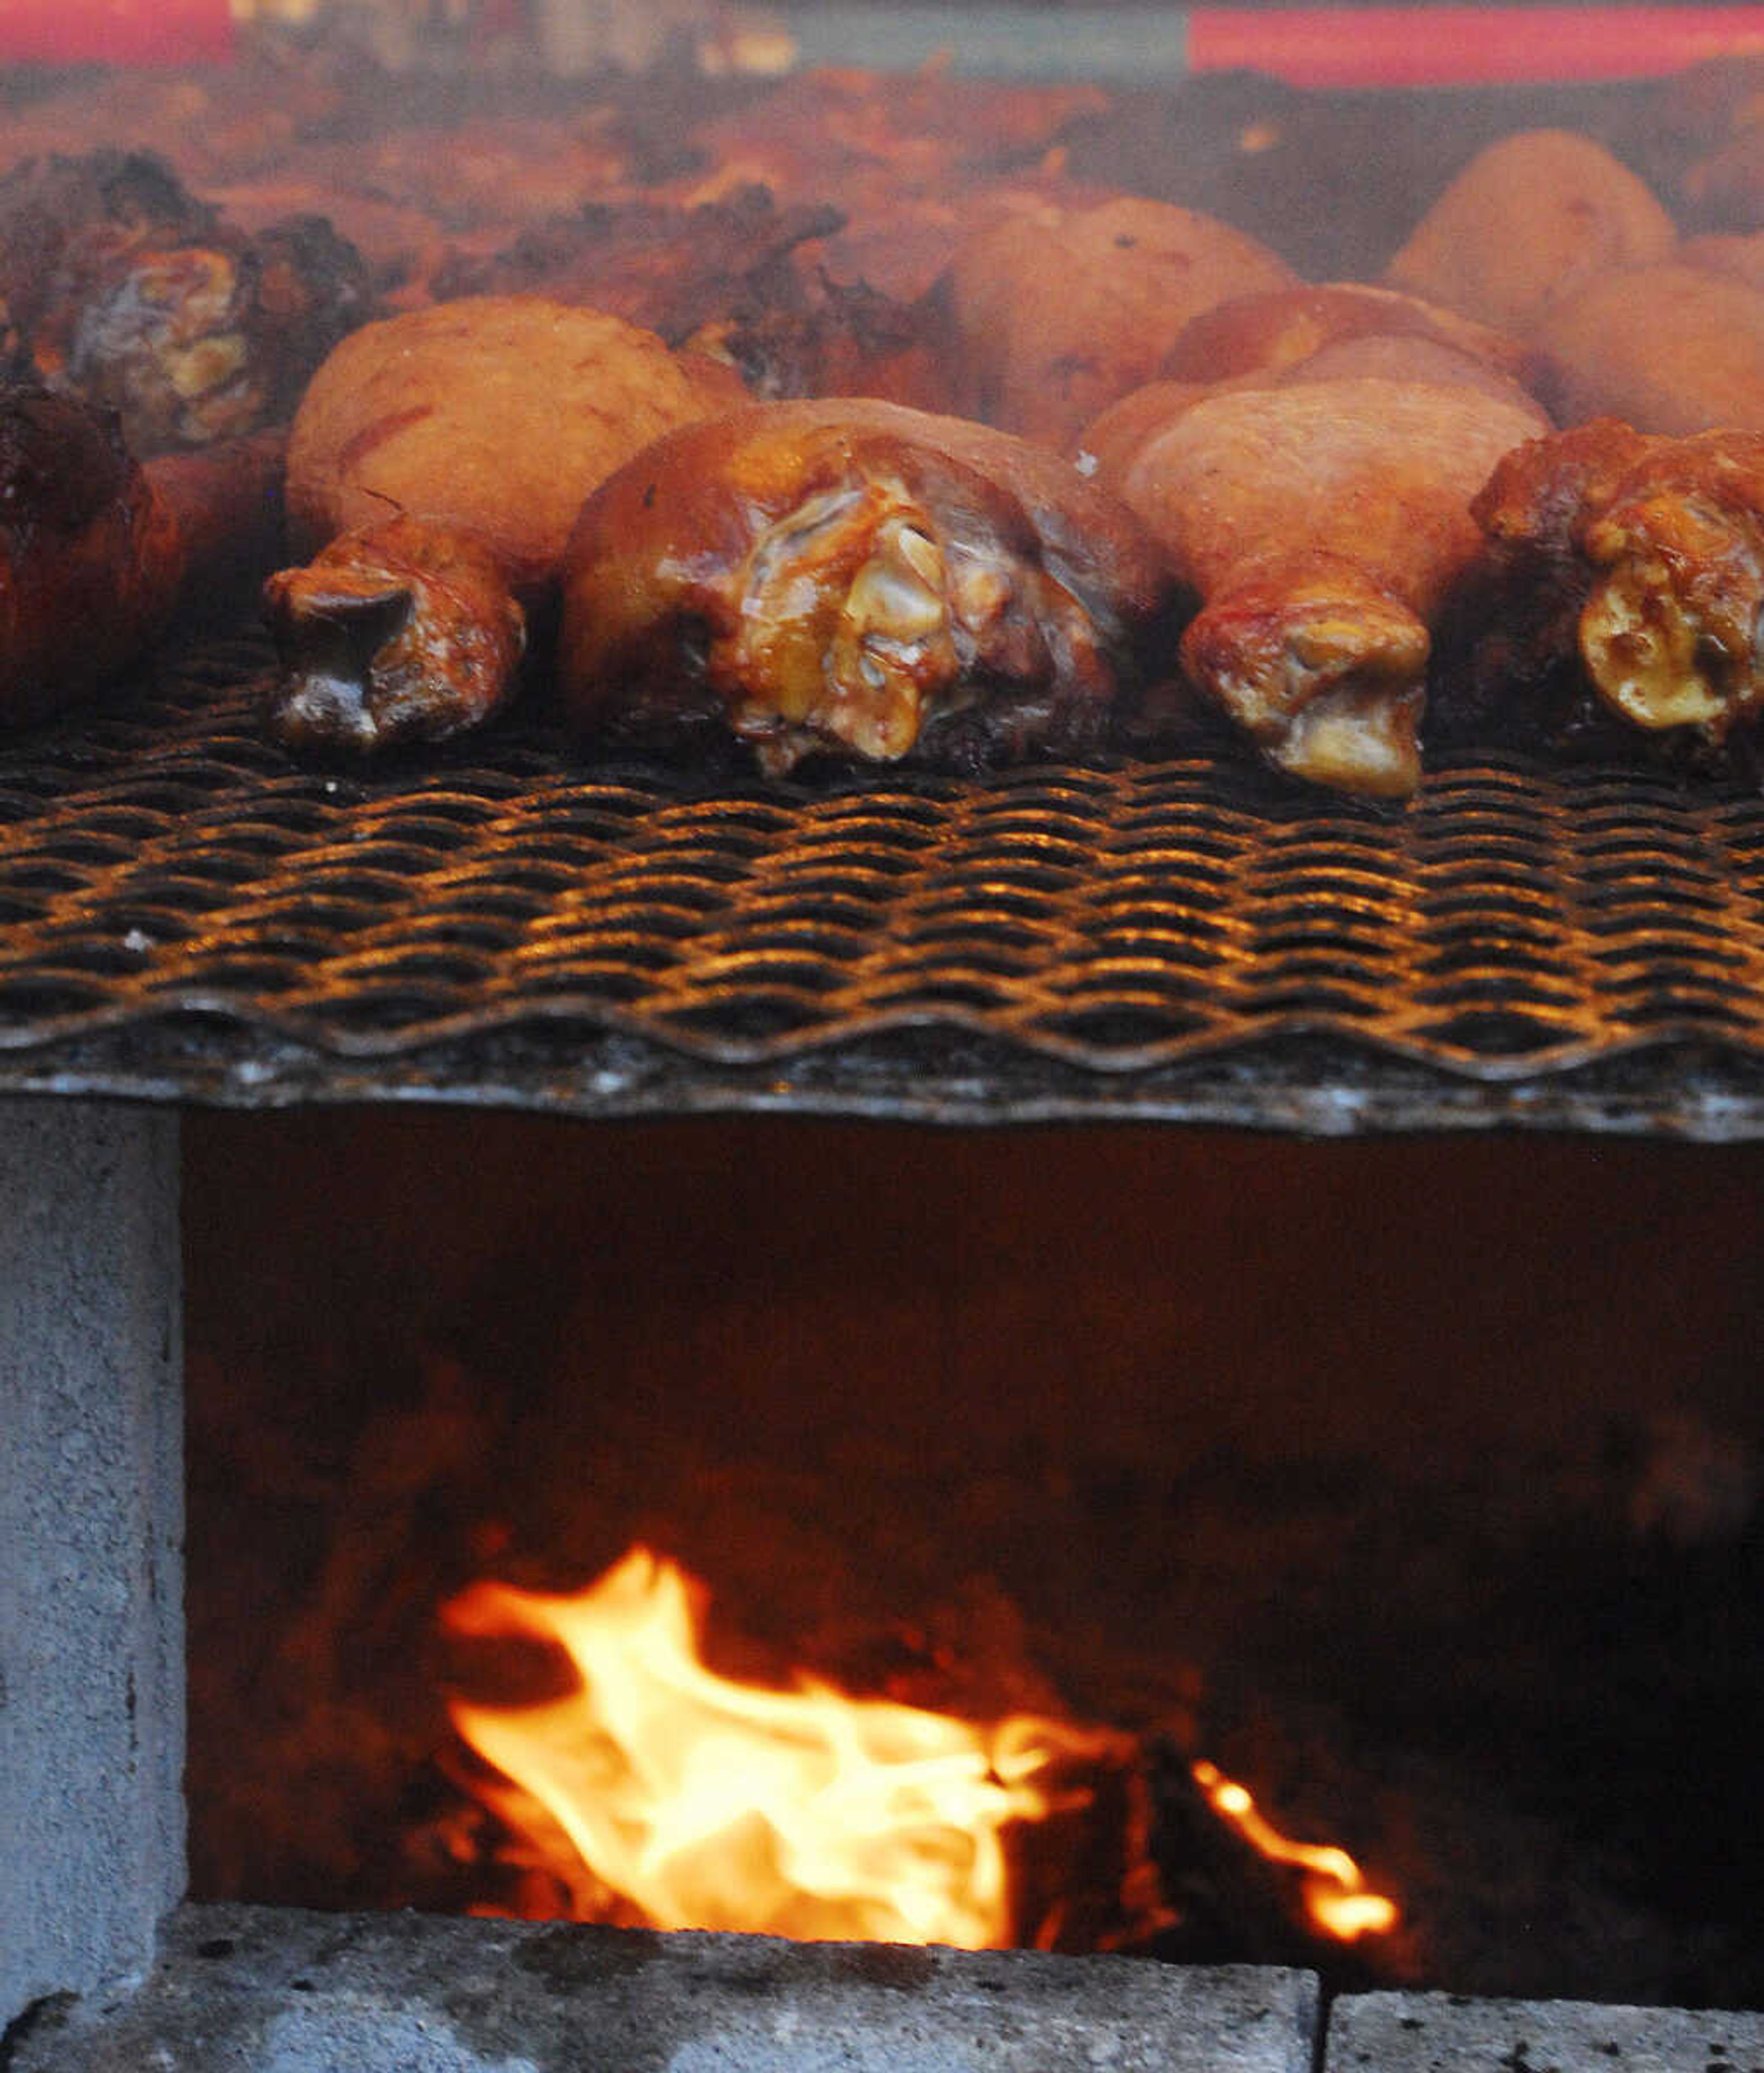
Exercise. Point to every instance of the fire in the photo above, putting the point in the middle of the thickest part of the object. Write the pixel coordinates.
(1336, 1897)
(709, 1804)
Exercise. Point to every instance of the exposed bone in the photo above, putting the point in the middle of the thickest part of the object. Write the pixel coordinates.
(396, 632)
(1322, 669)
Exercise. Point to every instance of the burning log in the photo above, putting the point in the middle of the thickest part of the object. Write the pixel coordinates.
(645, 1788)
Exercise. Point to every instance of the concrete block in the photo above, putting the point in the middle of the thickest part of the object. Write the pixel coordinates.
(1452, 2034)
(91, 1543)
(277, 1991)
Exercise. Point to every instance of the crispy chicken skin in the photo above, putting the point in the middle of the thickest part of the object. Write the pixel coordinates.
(1276, 332)
(1529, 220)
(1061, 313)
(857, 578)
(1627, 566)
(469, 433)
(1323, 526)
(1673, 348)
(1290, 336)
(495, 414)
(97, 551)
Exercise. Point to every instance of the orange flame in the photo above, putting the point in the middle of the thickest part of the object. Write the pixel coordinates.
(710, 1804)
(1336, 1897)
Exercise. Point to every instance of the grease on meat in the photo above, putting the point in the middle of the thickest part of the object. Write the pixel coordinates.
(1323, 526)
(855, 578)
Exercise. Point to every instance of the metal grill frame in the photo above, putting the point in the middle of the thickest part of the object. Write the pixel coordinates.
(186, 915)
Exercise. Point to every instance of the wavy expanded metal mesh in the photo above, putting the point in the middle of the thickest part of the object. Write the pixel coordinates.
(163, 860)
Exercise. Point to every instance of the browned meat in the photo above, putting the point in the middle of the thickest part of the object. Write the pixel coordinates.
(437, 462)
(1671, 349)
(1060, 315)
(1323, 526)
(1529, 220)
(836, 340)
(916, 163)
(495, 414)
(403, 247)
(854, 578)
(97, 552)
(1339, 331)
(1282, 334)
(118, 282)
(91, 557)
(397, 633)
(1273, 333)
(1738, 256)
(1625, 567)
(669, 268)
(1506, 668)
(226, 503)
(1672, 633)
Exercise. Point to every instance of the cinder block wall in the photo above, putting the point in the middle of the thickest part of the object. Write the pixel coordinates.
(92, 1709)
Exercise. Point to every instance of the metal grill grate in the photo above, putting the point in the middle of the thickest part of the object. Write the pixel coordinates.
(170, 881)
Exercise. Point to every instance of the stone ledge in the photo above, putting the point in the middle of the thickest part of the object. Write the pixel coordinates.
(1451, 2034)
(261, 1990)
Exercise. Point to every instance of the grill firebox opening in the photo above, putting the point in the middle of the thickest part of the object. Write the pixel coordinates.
(1396, 1478)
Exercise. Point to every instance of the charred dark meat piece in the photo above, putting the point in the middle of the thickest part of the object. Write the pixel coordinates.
(835, 340)
(97, 552)
(404, 632)
(119, 284)
(672, 269)
(854, 578)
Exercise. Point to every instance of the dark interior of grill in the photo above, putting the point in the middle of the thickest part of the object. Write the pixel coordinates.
(1414, 1482)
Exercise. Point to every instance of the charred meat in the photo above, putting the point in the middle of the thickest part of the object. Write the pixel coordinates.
(119, 284)
(398, 633)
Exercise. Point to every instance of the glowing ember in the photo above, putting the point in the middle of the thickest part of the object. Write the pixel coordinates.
(708, 1804)
(1335, 1894)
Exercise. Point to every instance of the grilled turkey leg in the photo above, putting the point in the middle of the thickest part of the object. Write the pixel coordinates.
(97, 552)
(857, 578)
(1322, 526)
